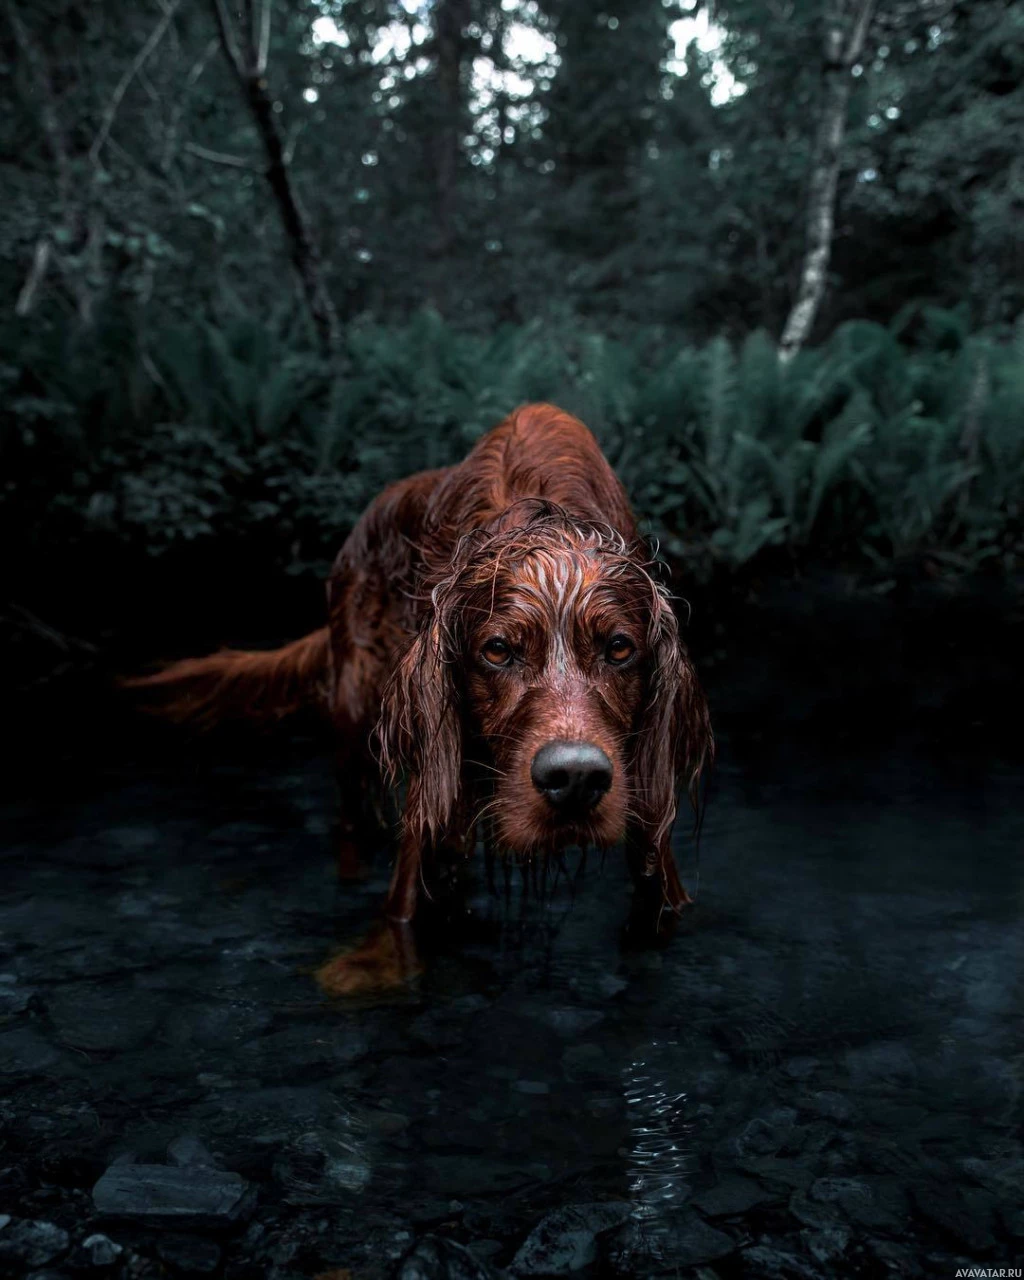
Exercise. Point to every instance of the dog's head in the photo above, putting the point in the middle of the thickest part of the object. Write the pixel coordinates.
(549, 667)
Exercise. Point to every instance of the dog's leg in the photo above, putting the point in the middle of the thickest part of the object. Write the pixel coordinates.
(387, 956)
(676, 897)
(658, 894)
(400, 906)
(358, 673)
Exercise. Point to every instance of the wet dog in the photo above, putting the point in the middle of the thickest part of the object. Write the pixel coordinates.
(496, 635)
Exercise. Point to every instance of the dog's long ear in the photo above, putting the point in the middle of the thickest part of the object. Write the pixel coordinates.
(675, 743)
(420, 733)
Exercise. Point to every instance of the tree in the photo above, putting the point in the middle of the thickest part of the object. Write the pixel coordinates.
(846, 29)
(246, 47)
(75, 238)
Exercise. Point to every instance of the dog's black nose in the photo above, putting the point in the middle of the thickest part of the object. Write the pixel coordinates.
(571, 776)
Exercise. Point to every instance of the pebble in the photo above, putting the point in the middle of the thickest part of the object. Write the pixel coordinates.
(100, 1250)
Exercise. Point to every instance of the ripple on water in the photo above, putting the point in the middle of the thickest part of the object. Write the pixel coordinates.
(660, 1151)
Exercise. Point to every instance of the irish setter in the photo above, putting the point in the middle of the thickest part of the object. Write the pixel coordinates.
(496, 635)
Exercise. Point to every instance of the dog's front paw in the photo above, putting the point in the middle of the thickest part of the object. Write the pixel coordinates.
(385, 960)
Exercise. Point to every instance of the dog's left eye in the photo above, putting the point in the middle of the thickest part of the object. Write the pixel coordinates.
(620, 650)
(497, 652)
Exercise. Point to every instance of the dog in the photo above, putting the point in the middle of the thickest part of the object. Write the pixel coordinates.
(498, 635)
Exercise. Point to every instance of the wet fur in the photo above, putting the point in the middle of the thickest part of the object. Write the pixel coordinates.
(533, 530)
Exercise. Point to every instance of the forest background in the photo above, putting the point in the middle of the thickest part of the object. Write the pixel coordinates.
(258, 259)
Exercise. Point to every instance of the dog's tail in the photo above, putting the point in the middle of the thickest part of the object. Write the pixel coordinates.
(238, 684)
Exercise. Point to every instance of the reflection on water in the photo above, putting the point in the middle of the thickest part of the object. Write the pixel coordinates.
(660, 1154)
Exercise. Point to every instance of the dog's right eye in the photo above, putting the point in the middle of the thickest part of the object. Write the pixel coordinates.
(497, 652)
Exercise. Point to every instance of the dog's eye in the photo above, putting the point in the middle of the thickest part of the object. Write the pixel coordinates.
(620, 650)
(497, 652)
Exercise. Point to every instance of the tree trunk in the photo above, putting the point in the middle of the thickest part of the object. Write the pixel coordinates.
(452, 18)
(842, 50)
(248, 58)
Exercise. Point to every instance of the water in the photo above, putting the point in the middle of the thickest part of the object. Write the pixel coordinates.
(822, 1071)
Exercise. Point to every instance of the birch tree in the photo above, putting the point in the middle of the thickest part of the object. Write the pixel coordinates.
(846, 28)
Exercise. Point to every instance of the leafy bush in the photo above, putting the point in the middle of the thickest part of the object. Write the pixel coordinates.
(868, 450)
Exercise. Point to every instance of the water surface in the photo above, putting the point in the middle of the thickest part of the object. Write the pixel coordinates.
(820, 1076)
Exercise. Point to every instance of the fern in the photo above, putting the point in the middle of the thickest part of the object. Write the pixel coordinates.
(883, 443)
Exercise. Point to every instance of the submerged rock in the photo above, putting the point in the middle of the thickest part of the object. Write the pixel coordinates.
(101, 1020)
(98, 1251)
(160, 1193)
(653, 1247)
(188, 1150)
(585, 1062)
(967, 1223)
(566, 1240)
(829, 1105)
(826, 1243)
(13, 998)
(734, 1196)
(191, 1255)
(436, 1258)
(766, 1135)
(25, 1243)
(880, 1063)
(321, 1168)
(762, 1262)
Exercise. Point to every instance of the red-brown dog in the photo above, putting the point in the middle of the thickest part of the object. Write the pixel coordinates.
(497, 622)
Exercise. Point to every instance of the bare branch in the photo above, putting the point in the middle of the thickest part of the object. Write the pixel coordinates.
(220, 157)
(293, 137)
(47, 105)
(35, 277)
(156, 35)
(196, 70)
(858, 32)
(263, 39)
(228, 41)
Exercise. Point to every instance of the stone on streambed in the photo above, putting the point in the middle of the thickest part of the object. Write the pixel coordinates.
(829, 1105)
(25, 1243)
(967, 1221)
(732, 1197)
(321, 1168)
(95, 1252)
(189, 1151)
(102, 1020)
(566, 1240)
(160, 1193)
(762, 1262)
(191, 1255)
(13, 998)
(825, 1244)
(667, 1246)
(437, 1258)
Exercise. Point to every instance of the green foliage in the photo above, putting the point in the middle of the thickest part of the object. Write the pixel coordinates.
(573, 162)
(866, 452)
